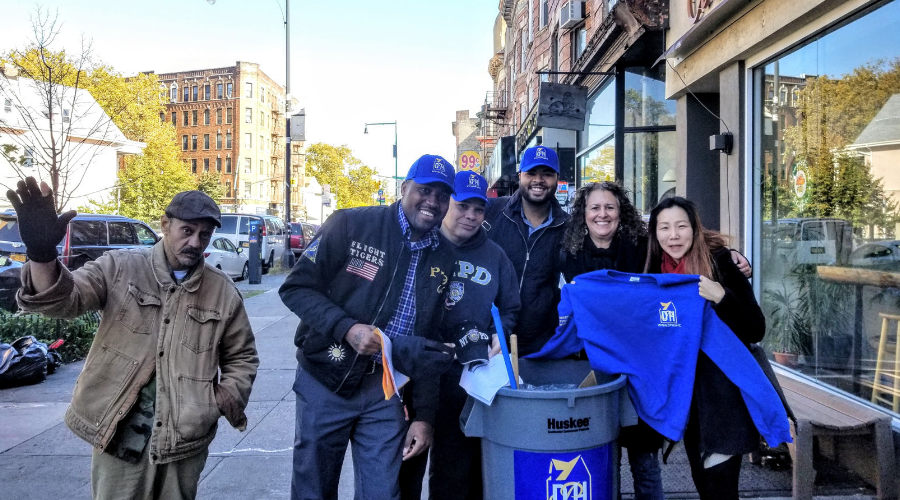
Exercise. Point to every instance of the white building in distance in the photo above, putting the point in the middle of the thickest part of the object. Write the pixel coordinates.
(43, 125)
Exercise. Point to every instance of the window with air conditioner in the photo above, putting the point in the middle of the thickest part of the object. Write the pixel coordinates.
(571, 14)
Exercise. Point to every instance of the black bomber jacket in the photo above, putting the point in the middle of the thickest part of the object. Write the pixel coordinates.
(353, 272)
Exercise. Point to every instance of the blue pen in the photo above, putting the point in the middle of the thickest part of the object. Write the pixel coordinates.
(503, 348)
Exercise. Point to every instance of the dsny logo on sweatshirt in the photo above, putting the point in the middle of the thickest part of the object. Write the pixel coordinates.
(667, 315)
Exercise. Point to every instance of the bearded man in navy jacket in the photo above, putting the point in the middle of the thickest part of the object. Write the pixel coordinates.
(367, 268)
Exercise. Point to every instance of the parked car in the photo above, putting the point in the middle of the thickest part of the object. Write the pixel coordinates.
(221, 253)
(818, 241)
(10, 282)
(87, 238)
(883, 255)
(302, 234)
(236, 227)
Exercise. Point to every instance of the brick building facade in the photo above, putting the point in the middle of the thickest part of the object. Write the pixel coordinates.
(230, 121)
(605, 49)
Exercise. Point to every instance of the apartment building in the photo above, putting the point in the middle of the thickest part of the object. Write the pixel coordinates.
(231, 121)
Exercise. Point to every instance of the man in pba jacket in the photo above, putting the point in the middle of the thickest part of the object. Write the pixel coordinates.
(368, 267)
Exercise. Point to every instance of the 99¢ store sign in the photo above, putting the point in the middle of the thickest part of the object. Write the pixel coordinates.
(470, 160)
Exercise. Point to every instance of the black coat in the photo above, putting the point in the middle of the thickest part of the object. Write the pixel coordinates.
(327, 293)
(536, 261)
(625, 255)
(719, 418)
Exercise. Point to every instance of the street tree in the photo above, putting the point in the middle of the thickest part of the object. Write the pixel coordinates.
(209, 183)
(147, 183)
(835, 111)
(57, 125)
(354, 183)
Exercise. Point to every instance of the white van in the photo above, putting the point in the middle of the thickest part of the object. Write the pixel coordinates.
(236, 227)
(817, 241)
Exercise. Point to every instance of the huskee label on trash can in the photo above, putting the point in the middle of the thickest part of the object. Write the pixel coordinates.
(579, 475)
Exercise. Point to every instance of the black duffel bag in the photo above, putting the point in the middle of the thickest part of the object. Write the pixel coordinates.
(23, 362)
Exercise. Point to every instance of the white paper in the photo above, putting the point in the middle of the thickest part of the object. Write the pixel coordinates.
(484, 381)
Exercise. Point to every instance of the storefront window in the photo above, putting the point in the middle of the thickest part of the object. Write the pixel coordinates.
(600, 119)
(827, 207)
(649, 167)
(598, 164)
(645, 98)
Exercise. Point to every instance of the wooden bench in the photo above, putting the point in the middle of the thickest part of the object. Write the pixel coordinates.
(821, 413)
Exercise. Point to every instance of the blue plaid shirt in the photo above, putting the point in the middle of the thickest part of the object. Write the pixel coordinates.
(404, 317)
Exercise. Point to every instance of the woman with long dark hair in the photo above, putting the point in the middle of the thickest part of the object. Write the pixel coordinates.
(720, 429)
(606, 232)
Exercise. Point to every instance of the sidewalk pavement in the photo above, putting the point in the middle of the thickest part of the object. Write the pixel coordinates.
(40, 459)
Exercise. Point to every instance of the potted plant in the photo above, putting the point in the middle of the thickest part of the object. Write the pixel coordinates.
(787, 316)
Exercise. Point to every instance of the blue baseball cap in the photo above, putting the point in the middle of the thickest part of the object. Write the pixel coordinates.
(539, 156)
(468, 184)
(432, 168)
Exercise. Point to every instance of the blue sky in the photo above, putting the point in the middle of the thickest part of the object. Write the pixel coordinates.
(352, 62)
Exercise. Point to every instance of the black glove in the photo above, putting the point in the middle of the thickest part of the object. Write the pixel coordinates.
(41, 229)
(418, 357)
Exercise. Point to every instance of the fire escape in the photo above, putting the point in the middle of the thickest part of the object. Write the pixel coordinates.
(492, 116)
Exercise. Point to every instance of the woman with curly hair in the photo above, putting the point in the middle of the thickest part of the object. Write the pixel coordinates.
(606, 232)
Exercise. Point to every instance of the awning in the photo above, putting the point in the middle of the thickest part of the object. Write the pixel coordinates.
(700, 31)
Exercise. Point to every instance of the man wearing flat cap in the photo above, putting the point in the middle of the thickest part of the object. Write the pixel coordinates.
(382, 267)
(174, 350)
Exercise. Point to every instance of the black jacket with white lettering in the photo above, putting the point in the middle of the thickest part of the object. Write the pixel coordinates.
(353, 272)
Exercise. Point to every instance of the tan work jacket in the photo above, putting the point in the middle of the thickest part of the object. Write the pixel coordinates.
(195, 336)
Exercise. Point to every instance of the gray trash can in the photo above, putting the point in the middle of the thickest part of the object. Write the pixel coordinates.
(550, 444)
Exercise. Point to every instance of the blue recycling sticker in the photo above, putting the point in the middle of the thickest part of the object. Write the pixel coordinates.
(578, 475)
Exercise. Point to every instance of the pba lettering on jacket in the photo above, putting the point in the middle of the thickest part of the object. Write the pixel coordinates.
(440, 277)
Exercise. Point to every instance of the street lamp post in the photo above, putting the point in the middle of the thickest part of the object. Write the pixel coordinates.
(287, 258)
(396, 175)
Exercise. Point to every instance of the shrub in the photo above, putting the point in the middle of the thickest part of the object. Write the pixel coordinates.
(77, 333)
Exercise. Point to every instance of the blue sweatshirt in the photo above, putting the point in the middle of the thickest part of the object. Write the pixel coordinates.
(651, 328)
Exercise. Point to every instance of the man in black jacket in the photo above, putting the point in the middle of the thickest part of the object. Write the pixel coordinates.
(483, 277)
(529, 226)
(367, 268)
